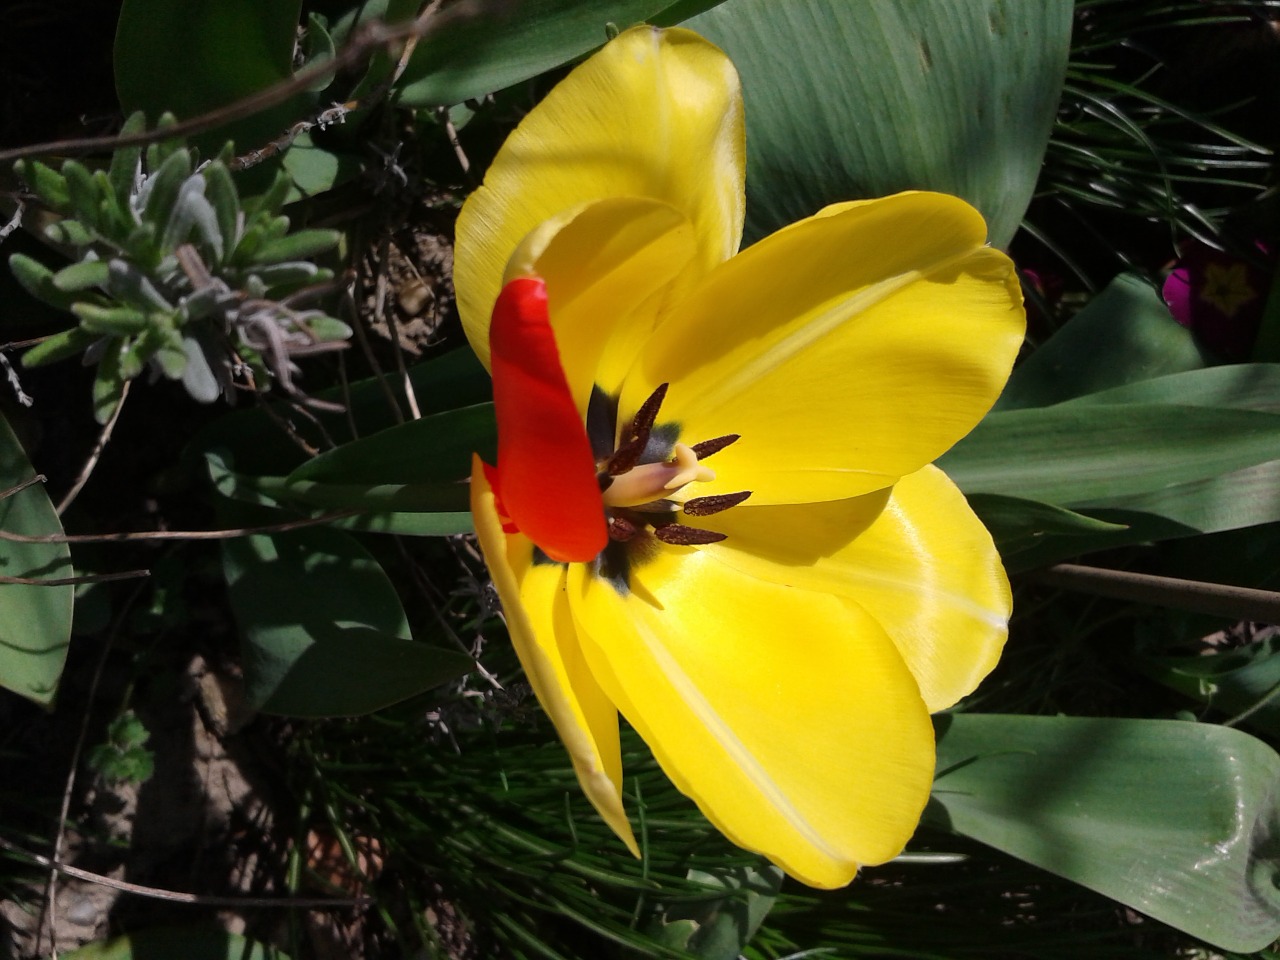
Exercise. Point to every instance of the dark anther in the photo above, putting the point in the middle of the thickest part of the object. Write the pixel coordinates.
(680, 535)
(707, 447)
(637, 436)
(626, 456)
(621, 529)
(656, 506)
(706, 506)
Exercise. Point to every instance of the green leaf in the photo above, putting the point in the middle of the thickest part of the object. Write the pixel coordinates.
(324, 632)
(1238, 499)
(60, 346)
(110, 321)
(853, 100)
(108, 382)
(188, 57)
(1234, 681)
(81, 276)
(164, 185)
(189, 943)
(1171, 818)
(315, 170)
(49, 186)
(1018, 524)
(222, 193)
(318, 47)
(719, 927)
(376, 504)
(450, 498)
(83, 190)
(69, 233)
(1125, 334)
(432, 450)
(1243, 386)
(36, 626)
(1227, 499)
(125, 161)
(468, 56)
(259, 446)
(297, 246)
(37, 280)
(1075, 453)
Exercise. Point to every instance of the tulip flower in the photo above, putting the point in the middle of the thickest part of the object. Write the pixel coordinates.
(714, 509)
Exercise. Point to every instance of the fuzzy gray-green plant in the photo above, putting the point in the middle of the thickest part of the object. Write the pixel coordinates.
(173, 272)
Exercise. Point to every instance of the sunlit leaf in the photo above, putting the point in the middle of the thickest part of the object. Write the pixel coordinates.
(1125, 334)
(1074, 453)
(853, 100)
(432, 450)
(1174, 819)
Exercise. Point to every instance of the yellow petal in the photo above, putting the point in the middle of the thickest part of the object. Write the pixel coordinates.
(847, 350)
(655, 114)
(916, 558)
(788, 716)
(607, 266)
(542, 632)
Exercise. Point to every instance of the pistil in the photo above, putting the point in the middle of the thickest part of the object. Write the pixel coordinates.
(655, 481)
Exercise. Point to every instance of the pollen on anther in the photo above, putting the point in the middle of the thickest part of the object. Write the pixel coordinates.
(706, 506)
(680, 535)
(621, 529)
(706, 448)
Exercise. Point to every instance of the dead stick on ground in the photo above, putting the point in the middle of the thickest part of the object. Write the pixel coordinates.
(199, 899)
(96, 453)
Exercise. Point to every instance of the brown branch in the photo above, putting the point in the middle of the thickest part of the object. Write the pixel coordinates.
(175, 534)
(76, 581)
(1214, 599)
(198, 899)
(19, 344)
(18, 488)
(338, 112)
(96, 453)
(371, 36)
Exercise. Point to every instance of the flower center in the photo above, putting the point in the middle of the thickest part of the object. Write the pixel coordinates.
(647, 482)
(643, 476)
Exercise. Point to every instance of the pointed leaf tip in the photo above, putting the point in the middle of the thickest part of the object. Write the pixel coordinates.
(548, 473)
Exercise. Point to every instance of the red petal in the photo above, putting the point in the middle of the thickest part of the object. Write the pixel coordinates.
(549, 487)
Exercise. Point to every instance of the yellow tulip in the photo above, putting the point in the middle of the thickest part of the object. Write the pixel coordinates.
(714, 509)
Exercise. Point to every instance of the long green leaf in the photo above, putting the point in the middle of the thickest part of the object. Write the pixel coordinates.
(1243, 386)
(1174, 819)
(852, 100)
(376, 506)
(1075, 453)
(433, 450)
(259, 445)
(35, 621)
(476, 51)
